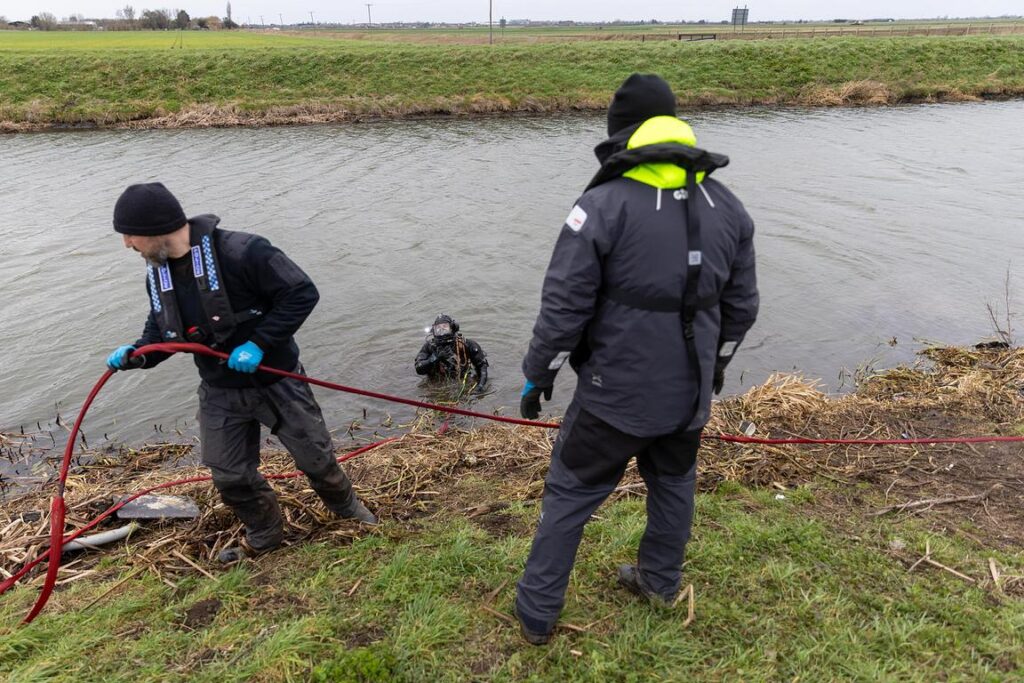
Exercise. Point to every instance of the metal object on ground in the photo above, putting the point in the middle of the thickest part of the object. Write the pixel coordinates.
(96, 540)
(159, 507)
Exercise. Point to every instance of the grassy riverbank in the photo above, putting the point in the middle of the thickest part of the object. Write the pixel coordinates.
(266, 79)
(779, 595)
(823, 563)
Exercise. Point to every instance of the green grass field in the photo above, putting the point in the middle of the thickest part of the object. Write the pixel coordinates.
(240, 78)
(780, 594)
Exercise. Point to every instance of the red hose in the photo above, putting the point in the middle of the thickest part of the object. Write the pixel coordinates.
(207, 351)
(60, 543)
(57, 540)
(732, 438)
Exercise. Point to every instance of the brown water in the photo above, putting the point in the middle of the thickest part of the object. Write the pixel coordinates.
(874, 225)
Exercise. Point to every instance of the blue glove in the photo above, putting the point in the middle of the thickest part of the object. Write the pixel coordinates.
(245, 358)
(119, 360)
(529, 404)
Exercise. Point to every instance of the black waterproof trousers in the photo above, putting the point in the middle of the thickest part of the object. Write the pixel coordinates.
(229, 428)
(587, 463)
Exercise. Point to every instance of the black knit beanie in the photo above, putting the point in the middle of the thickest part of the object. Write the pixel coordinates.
(640, 97)
(147, 209)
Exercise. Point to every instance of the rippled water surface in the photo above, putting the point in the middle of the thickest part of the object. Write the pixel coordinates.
(873, 225)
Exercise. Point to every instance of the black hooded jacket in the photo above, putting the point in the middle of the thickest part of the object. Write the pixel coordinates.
(624, 235)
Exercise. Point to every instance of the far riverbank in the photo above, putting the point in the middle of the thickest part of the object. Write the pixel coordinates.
(264, 82)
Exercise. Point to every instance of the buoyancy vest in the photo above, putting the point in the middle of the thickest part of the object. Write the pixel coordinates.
(220, 321)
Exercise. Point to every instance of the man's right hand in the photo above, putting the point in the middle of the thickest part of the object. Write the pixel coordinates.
(424, 366)
(529, 404)
(119, 360)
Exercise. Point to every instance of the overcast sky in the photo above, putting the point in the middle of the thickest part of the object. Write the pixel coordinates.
(347, 11)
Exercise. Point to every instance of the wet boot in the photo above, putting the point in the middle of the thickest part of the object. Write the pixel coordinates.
(335, 490)
(243, 550)
(631, 579)
(261, 515)
(532, 631)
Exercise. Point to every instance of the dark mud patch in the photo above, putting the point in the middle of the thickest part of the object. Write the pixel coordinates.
(500, 525)
(368, 635)
(202, 613)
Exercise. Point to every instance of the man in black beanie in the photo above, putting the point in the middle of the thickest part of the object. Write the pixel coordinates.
(649, 291)
(236, 293)
(640, 97)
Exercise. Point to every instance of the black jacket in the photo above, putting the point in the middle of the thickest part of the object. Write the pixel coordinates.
(257, 275)
(625, 235)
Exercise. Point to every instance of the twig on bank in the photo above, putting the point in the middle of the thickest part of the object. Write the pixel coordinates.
(495, 613)
(691, 606)
(951, 571)
(994, 570)
(927, 559)
(494, 593)
(131, 575)
(935, 501)
(192, 564)
(927, 554)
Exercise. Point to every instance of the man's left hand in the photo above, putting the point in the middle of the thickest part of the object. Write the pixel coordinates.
(246, 358)
(529, 403)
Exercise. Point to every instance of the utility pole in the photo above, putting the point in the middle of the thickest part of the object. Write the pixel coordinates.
(369, 17)
(490, 22)
(312, 21)
(262, 23)
(281, 18)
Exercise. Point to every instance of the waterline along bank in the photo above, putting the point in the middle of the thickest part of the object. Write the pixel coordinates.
(265, 82)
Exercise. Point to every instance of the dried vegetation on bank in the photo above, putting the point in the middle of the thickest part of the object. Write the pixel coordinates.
(952, 392)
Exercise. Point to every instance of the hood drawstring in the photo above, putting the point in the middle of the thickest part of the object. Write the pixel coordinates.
(707, 196)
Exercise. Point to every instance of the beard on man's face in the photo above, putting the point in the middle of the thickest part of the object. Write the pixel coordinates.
(157, 257)
(155, 253)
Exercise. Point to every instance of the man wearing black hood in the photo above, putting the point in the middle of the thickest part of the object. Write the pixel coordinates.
(234, 292)
(650, 289)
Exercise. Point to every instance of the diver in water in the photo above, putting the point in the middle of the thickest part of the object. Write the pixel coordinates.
(447, 355)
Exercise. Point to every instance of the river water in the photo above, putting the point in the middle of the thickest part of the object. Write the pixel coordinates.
(875, 227)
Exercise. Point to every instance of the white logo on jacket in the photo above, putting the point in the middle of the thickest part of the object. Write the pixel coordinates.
(577, 217)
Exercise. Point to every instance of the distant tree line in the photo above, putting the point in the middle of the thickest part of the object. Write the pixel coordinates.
(127, 19)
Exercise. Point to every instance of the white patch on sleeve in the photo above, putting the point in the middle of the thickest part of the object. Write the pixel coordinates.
(577, 217)
(728, 348)
(559, 360)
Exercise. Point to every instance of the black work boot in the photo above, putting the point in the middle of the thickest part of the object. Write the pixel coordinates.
(335, 490)
(260, 513)
(356, 510)
(241, 551)
(631, 580)
(533, 632)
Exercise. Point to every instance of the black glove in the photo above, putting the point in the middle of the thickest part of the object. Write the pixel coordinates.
(529, 405)
(719, 380)
(726, 349)
(481, 380)
(423, 366)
